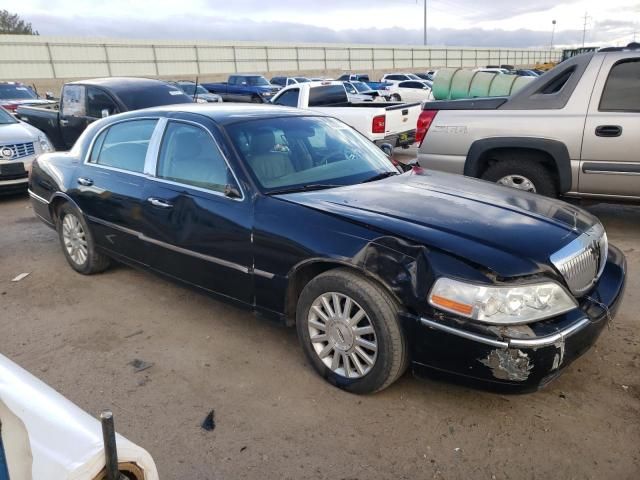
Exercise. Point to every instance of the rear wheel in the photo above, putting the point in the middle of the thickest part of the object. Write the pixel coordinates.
(523, 174)
(77, 242)
(396, 98)
(350, 332)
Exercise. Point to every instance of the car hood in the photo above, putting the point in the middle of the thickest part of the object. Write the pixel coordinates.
(269, 88)
(18, 133)
(508, 231)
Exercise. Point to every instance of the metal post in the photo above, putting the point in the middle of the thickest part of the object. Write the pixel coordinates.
(393, 57)
(553, 32)
(425, 23)
(106, 56)
(349, 51)
(155, 59)
(266, 55)
(298, 58)
(110, 448)
(235, 59)
(195, 48)
(53, 68)
(324, 51)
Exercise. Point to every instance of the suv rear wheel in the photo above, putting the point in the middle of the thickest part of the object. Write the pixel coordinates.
(523, 174)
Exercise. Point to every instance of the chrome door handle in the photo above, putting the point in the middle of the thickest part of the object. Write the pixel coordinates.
(64, 123)
(156, 202)
(87, 182)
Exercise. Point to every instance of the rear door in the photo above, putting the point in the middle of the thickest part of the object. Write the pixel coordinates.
(196, 220)
(610, 161)
(110, 183)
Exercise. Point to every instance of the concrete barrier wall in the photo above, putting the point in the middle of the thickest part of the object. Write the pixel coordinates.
(48, 61)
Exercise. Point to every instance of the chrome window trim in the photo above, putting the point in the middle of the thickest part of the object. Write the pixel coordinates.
(154, 163)
(115, 169)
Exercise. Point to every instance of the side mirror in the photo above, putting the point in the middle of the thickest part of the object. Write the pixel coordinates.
(387, 148)
(231, 191)
(105, 112)
(49, 96)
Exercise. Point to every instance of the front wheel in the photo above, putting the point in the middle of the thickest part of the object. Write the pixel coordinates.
(396, 98)
(256, 99)
(77, 242)
(350, 331)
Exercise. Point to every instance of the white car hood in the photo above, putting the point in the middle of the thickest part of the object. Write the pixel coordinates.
(18, 133)
(49, 437)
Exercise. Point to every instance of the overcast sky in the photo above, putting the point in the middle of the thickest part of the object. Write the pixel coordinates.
(513, 23)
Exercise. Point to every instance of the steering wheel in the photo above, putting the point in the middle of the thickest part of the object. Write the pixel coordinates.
(325, 160)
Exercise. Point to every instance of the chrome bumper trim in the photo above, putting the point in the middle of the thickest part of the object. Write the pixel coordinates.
(511, 342)
(38, 198)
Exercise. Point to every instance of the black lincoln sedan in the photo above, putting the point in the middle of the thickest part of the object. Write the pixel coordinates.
(297, 216)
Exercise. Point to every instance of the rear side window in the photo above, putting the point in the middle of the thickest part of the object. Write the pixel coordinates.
(395, 77)
(189, 155)
(123, 145)
(411, 85)
(288, 98)
(327, 95)
(73, 101)
(99, 104)
(622, 90)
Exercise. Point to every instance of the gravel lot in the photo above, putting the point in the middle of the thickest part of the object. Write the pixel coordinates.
(275, 417)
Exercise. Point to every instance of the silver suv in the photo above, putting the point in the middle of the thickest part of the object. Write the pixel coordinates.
(573, 131)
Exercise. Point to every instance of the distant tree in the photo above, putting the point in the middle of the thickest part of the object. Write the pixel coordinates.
(12, 23)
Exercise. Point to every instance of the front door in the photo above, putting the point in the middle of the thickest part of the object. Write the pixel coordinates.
(196, 221)
(610, 163)
(110, 184)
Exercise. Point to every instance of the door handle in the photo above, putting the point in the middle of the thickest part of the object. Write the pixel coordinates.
(63, 122)
(87, 182)
(157, 202)
(608, 131)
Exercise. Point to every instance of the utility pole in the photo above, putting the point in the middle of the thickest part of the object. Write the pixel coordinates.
(584, 27)
(553, 32)
(425, 22)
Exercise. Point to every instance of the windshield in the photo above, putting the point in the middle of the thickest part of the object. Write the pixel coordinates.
(413, 77)
(302, 79)
(257, 81)
(6, 117)
(190, 89)
(289, 153)
(16, 92)
(361, 86)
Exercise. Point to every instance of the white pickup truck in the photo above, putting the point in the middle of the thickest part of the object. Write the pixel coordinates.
(393, 123)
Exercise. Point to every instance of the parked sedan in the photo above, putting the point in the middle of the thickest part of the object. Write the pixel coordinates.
(296, 215)
(20, 143)
(197, 92)
(411, 91)
(286, 81)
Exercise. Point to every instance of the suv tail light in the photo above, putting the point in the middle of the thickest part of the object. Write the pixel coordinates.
(379, 124)
(425, 120)
(12, 107)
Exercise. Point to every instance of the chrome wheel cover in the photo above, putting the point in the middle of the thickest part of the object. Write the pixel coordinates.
(342, 335)
(75, 240)
(519, 182)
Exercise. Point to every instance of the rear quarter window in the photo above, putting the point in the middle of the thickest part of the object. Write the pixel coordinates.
(622, 90)
(327, 95)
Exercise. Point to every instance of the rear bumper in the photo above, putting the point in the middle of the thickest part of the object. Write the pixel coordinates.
(518, 362)
(402, 139)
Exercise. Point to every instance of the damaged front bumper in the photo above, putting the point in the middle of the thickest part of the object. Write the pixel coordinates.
(520, 357)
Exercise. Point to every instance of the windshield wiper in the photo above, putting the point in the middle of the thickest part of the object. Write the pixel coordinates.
(304, 188)
(381, 176)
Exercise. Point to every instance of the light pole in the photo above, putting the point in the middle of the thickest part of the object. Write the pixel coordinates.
(425, 22)
(553, 32)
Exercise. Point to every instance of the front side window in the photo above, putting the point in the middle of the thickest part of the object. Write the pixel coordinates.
(123, 145)
(290, 152)
(288, 98)
(189, 155)
(99, 104)
(622, 90)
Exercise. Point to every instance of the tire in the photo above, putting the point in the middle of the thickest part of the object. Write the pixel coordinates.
(379, 326)
(88, 262)
(521, 170)
(396, 98)
(255, 99)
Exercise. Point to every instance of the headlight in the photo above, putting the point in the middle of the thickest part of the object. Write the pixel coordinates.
(267, 94)
(45, 146)
(501, 305)
(201, 100)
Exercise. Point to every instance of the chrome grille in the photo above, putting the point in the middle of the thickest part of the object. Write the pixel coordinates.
(19, 150)
(582, 261)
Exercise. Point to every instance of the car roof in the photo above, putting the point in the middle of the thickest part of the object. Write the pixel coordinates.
(230, 113)
(121, 83)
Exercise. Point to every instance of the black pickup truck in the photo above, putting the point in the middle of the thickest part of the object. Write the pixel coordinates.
(85, 101)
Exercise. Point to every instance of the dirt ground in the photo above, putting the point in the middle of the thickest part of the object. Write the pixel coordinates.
(275, 418)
